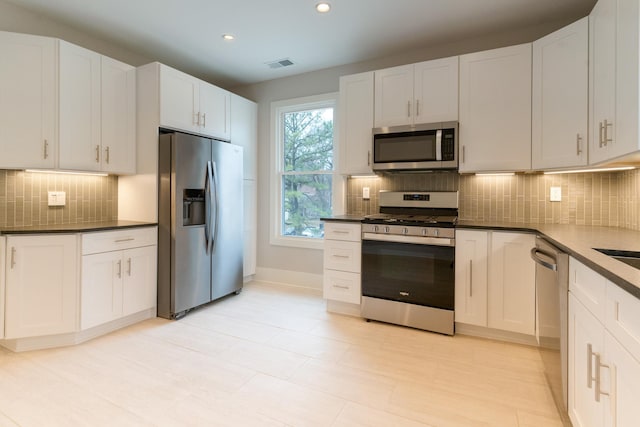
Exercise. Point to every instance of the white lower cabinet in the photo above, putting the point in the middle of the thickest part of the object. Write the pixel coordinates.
(41, 285)
(342, 257)
(604, 357)
(119, 271)
(495, 280)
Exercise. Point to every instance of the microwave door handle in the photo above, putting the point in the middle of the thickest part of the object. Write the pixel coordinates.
(439, 144)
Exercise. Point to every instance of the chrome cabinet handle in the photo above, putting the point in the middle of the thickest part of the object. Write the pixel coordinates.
(129, 267)
(46, 149)
(598, 380)
(417, 107)
(204, 120)
(369, 158)
(128, 239)
(197, 118)
(606, 125)
(340, 256)
(578, 144)
(408, 108)
(120, 269)
(589, 365)
(463, 153)
(600, 132)
(340, 287)
(97, 154)
(340, 232)
(106, 151)
(13, 257)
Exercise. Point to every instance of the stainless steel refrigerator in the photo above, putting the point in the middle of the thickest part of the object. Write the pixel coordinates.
(200, 222)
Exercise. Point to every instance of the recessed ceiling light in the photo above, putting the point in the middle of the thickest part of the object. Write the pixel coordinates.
(228, 37)
(323, 7)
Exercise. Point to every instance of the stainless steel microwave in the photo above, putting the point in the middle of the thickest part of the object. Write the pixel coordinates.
(420, 147)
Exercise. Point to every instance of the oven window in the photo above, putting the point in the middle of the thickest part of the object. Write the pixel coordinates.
(416, 274)
(417, 147)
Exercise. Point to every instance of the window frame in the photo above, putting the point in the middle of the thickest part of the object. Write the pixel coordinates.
(278, 108)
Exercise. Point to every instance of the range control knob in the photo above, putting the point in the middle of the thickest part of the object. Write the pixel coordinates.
(375, 228)
(425, 232)
(436, 232)
(405, 230)
(386, 229)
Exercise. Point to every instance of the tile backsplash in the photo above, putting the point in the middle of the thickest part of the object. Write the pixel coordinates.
(605, 198)
(23, 198)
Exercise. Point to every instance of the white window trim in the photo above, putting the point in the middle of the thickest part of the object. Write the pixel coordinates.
(278, 108)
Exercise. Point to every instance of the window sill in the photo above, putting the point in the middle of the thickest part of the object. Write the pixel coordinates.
(298, 242)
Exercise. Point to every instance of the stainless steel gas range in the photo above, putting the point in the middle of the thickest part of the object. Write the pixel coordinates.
(408, 260)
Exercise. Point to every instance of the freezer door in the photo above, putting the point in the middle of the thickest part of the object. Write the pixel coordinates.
(184, 265)
(227, 219)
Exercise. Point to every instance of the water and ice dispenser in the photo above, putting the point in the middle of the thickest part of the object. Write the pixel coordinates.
(193, 207)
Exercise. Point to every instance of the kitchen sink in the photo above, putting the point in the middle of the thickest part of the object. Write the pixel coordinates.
(628, 257)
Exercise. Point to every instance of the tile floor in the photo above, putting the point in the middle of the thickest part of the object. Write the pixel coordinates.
(272, 356)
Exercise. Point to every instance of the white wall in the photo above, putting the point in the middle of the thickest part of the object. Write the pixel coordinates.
(307, 262)
(18, 20)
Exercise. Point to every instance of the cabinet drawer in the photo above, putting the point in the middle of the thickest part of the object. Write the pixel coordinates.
(343, 256)
(588, 287)
(623, 318)
(341, 286)
(105, 241)
(342, 231)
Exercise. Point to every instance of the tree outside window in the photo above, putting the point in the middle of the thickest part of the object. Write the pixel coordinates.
(307, 168)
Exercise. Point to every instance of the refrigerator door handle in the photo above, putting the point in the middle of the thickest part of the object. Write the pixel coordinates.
(216, 209)
(207, 207)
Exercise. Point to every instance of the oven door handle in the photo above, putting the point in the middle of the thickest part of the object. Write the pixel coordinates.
(433, 241)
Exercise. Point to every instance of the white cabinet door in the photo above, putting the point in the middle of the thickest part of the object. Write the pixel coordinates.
(80, 123)
(355, 108)
(602, 60)
(139, 275)
(471, 277)
(560, 98)
(495, 110)
(341, 286)
(436, 90)
(101, 290)
(41, 285)
(623, 387)
(394, 96)
(118, 107)
(250, 227)
(512, 286)
(586, 339)
(28, 105)
(179, 100)
(244, 132)
(627, 78)
(215, 106)
(2, 286)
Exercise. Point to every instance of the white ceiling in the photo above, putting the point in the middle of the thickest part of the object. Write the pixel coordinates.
(187, 33)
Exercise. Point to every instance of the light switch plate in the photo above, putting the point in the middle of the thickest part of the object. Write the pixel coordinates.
(365, 193)
(56, 198)
(555, 195)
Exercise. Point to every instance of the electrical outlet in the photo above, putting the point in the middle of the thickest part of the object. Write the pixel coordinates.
(56, 198)
(555, 195)
(365, 193)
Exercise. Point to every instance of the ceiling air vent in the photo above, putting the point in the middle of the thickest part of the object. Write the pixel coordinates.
(280, 63)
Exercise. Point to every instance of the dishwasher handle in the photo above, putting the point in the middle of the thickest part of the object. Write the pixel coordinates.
(535, 256)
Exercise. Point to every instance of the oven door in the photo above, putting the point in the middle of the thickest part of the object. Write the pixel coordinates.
(410, 273)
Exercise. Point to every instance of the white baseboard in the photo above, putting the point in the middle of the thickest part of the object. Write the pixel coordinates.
(288, 277)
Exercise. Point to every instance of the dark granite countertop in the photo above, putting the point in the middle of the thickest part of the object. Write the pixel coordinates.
(345, 218)
(75, 228)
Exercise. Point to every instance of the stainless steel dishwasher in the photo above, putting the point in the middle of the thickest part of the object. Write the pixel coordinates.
(552, 287)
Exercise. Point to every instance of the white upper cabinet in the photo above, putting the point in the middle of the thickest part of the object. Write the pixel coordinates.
(355, 109)
(97, 112)
(190, 104)
(560, 98)
(118, 137)
(79, 108)
(495, 110)
(28, 132)
(425, 92)
(244, 132)
(613, 33)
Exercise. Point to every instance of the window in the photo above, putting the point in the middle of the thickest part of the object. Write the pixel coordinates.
(303, 169)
